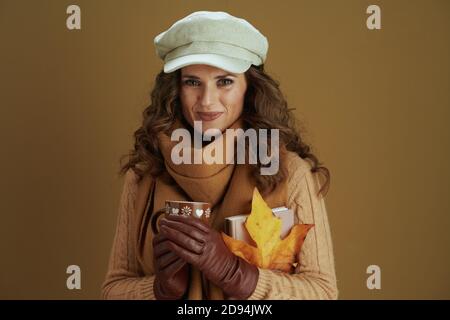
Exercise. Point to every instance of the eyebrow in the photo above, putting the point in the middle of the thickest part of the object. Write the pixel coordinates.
(217, 77)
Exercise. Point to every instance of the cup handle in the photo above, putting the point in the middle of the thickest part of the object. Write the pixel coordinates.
(154, 219)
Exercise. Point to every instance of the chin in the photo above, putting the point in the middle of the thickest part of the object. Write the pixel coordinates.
(213, 126)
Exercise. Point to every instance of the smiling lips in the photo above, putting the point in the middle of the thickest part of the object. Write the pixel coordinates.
(209, 116)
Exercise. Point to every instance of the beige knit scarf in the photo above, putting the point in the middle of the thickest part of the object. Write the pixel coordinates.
(228, 187)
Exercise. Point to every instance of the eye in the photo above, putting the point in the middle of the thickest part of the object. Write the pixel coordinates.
(226, 81)
(192, 83)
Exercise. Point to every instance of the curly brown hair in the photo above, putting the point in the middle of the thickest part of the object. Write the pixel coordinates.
(264, 108)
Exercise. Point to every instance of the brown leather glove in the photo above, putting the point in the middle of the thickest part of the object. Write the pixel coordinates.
(171, 272)
(198, 244)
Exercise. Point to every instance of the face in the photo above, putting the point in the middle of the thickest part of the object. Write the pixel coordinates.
(211, 95)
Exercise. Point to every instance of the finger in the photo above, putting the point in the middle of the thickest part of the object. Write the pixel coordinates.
(161, 248)
(165, 260)
(182, 239)
(187, 229)
(174, 267)
(195, 222)
(184, 254)
(158, 238)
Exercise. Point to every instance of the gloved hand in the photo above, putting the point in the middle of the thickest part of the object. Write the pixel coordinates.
(198, 244)
(171, 272)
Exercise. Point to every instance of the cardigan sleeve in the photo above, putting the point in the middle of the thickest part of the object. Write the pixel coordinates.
(314, 276)
(123, 278)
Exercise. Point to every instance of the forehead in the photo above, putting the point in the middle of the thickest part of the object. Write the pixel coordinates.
(203, 70)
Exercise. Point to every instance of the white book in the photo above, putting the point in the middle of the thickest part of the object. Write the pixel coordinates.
(235, 228)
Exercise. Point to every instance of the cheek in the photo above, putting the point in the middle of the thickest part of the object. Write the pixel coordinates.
(186, 106)
(235, 101)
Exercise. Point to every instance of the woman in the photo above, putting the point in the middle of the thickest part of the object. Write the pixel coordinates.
(214, 75)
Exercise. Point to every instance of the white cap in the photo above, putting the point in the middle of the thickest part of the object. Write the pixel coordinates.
(213, 38)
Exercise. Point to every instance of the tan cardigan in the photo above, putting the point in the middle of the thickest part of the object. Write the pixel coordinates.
(314, 277)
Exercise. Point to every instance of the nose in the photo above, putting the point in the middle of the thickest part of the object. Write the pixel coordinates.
(208, 97)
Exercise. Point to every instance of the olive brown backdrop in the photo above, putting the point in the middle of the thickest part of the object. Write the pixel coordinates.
(374, 105)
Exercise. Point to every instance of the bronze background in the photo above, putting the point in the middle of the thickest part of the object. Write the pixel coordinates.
(375, 104)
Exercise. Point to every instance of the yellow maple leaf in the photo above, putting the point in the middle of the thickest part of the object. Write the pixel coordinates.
(271, 252)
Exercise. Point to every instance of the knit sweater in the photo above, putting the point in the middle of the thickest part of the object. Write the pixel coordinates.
(314, 276)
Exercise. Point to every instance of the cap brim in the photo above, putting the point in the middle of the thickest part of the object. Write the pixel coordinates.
(216, 60)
